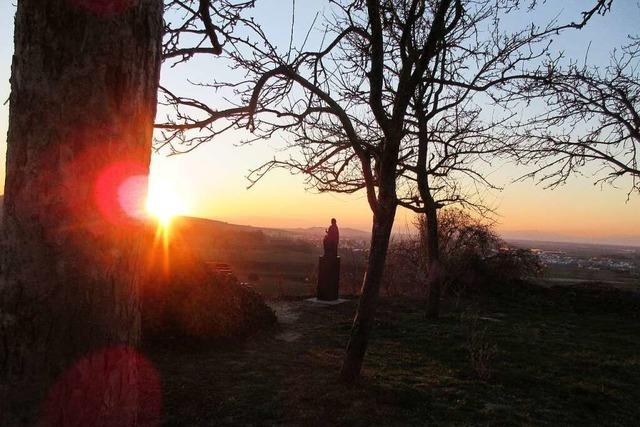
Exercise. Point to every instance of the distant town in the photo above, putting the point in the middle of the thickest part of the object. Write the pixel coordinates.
(577, 262)
(592, 263)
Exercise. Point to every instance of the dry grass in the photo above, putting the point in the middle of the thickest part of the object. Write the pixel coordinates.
(562, 357)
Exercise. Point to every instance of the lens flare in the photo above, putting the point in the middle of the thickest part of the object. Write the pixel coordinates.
(110, 387)
(131, 196)
(119, 192)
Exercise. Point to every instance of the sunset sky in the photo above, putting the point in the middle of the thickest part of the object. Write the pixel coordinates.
(211, 180)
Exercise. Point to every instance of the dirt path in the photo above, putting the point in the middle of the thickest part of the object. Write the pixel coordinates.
(288, 314)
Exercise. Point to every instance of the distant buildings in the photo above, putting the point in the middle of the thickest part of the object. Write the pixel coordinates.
(604, 262)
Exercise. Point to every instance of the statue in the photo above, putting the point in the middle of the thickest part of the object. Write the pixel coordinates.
(331, 238)
(329, 265)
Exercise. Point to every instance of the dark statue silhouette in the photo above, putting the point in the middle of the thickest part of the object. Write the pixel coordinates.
(329, 265)
(331, 238)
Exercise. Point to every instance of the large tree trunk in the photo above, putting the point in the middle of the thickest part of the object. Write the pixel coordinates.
(363, 322)
(83, 99)
(434, 273)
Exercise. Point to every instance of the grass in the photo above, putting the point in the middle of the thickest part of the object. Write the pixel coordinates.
(563, 356)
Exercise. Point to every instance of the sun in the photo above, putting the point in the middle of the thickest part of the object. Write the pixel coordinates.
(164, 203)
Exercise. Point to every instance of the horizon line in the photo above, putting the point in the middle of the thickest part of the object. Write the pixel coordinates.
(609, 240)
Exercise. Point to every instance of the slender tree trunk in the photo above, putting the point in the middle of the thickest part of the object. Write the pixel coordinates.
(83, 99)
(363, 322)
(434, 277)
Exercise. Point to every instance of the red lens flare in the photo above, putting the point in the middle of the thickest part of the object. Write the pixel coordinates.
(120, 192)
(132, 194)
(111, 387)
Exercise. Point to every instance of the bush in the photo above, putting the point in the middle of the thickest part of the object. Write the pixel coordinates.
(472, 257)
(508, 265)
(180, 298)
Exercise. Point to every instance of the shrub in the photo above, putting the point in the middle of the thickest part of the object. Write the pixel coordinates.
(472, 257)
(508, 265)
(181, 298)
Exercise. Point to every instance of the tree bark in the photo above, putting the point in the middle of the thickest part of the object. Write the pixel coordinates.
(83, 99)
(363, 322)
(434, 275)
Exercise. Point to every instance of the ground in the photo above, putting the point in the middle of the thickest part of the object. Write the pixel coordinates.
(545, 356)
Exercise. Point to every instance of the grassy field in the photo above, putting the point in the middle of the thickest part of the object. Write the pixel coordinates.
(542, 356)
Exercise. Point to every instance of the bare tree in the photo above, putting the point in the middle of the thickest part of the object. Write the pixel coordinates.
(590, 115)
(200, 27)
(450, 144)
(79, 141)
(349, 125)
(445, 165)
(367, 108)
(453, 142)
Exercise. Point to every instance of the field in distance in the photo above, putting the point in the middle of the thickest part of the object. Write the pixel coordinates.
(284, 261)
(274, 261)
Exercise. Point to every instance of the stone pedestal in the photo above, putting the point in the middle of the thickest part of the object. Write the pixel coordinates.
(328, 278)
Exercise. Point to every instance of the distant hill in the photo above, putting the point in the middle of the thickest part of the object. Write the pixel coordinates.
(221, 229)
(217, 238)
(215, 226)
(211, 225)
